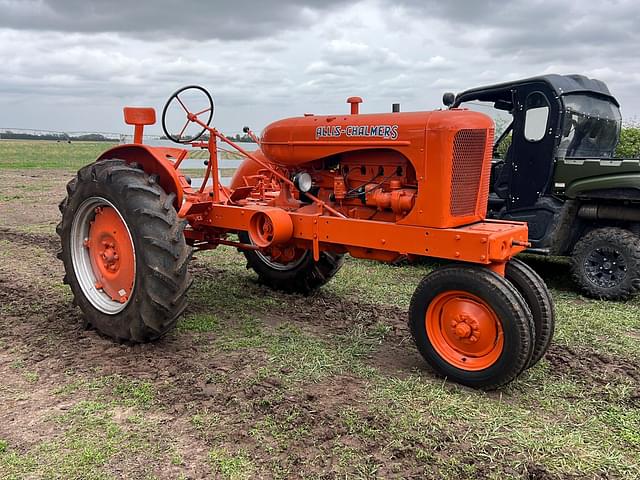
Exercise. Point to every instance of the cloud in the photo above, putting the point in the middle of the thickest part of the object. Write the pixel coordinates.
(164, 19)
(73, 64)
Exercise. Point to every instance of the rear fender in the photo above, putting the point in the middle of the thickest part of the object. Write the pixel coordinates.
(154, 160)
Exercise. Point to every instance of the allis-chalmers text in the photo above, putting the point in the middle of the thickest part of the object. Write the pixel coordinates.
(382, 131)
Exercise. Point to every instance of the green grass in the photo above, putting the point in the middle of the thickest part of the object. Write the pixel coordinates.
(17, 154)
(612, 327)
(51, 155)
(90, 439)
(385, 284)
(582, 434)
(129, 392)
(231, 466)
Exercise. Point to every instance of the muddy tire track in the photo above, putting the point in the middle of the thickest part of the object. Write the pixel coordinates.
(591, 366)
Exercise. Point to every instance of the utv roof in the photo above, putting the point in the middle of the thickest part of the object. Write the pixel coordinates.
(560, 84)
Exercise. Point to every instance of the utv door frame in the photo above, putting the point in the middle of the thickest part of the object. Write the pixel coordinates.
(532, 161)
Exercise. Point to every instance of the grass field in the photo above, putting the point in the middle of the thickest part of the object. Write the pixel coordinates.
(51, 155)
(25, 154)
(258, 384)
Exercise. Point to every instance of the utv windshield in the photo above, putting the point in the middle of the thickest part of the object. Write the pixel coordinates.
(591, 127)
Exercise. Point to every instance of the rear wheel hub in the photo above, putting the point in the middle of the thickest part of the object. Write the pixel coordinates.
(108, 243)
(103, 255)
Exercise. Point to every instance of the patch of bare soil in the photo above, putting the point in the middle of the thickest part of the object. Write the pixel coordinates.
(325, 314)
(595, 369)
(34, 197)
(396, 355)
(591, 366)
(50, 243)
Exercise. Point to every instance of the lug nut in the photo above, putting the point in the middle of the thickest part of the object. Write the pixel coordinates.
(463, 330)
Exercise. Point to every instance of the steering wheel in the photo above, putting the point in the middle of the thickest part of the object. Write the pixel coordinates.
(176, 103)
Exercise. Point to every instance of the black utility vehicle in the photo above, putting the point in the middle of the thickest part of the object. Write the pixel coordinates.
(554, 168)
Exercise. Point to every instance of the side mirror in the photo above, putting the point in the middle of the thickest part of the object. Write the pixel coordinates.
(448, 98)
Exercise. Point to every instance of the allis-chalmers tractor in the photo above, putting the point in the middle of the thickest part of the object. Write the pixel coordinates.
(375, 186)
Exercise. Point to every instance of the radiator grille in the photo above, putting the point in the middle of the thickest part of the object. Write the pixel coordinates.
(469, 148)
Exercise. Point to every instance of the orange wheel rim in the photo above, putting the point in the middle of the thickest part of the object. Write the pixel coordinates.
(111, 254)
(464, 330)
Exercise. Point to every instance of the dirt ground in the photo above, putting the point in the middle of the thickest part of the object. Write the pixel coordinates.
(255, 383)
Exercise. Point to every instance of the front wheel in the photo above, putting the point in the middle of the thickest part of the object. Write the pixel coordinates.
(471, 326)
(606, 263)
(124, 251)
(539, 300)
(300, 274)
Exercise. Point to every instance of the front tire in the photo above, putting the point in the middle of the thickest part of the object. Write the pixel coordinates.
(535, 292)
(471, 326)
(606, 264)
(301, 275)
(124, 251)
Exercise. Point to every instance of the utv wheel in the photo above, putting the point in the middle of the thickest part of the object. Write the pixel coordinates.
(606, 263)
(124, 251)
(471, 326)
(539, 300)
(301, 275)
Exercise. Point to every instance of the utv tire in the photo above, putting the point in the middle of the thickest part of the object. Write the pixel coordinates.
(606, 263)
(499, 344)
(303, 275)
(539, 300)
(115, 208)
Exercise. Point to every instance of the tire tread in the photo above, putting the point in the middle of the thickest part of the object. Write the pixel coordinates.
(149, 209)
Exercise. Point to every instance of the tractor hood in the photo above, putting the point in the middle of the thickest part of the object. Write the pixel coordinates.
(299, 140)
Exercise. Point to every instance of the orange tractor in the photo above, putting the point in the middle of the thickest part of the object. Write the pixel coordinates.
(375, 186)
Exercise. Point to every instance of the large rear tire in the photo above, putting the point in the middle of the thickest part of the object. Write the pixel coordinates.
(124, 251)
(606, 263)
(301, 275)
(539, 300)
(471, 326)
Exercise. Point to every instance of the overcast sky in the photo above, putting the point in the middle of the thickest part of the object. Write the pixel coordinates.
(72, 64)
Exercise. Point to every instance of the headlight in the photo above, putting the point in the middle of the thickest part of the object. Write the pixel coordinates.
(303, 181)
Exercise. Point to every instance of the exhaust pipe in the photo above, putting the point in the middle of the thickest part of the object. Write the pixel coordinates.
(609, 212)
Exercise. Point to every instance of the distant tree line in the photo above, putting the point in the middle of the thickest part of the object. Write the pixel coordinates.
(240, 138)
(629, 145)
(205, 137)
(58, 137)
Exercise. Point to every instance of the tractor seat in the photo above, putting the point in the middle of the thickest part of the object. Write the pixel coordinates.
(501, 175)
(495, 202)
